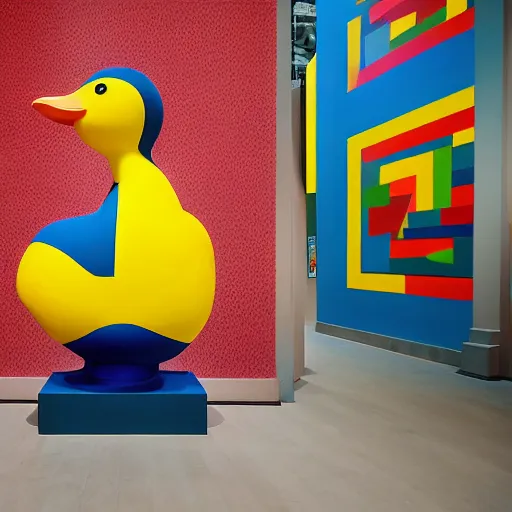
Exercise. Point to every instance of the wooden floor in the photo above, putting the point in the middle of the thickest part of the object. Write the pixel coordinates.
(370, 431)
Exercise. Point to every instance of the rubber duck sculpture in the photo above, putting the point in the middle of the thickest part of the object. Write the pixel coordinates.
(132, 284)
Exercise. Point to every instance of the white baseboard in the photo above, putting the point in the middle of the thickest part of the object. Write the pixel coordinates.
(218, 390)
(20, 388)
(242, 390)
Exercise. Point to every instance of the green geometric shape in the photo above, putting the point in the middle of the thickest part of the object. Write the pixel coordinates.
(311, 214)
(445, 256)
(376, 196)
(443, 177)
(430, 22)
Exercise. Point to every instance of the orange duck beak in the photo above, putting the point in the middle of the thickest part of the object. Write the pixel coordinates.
(61, 109)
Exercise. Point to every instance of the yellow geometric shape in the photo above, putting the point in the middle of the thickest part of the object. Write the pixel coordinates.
(401, 25)
(455, 7)
(444, 107)
(311, 126)
(464, 137)
(421, 166)
(354, 51)
(404, 225)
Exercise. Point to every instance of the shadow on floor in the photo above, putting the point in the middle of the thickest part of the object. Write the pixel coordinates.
(299, 384)
(215, 418)
(32, 418)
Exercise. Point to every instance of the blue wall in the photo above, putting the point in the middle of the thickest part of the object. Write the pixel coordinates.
(443, 70)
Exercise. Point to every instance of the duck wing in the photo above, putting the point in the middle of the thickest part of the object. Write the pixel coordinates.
(90, 239)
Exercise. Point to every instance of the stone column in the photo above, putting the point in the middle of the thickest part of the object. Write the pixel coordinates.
(487, 340)
(506, 337)
(286, 302)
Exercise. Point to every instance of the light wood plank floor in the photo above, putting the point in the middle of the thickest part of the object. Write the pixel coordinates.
(370, 431)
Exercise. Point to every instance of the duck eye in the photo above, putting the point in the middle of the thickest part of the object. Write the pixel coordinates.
(100, 89)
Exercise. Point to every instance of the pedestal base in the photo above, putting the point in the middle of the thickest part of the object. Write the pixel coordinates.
(178, 407)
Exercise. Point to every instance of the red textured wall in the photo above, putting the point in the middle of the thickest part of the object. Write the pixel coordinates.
(214, 63)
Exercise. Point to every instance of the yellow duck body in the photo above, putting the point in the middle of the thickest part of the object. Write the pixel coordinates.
(160, 290)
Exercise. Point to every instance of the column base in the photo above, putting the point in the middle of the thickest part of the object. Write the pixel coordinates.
(481, 354)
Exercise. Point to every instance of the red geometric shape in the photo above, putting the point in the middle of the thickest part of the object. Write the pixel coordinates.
(436, 35)
(436, 130)
(453, 288)
(384, 8)
(403, 187)
(426, 9)
(463, 195)
(391, 10)
(419, 248)
(457, 215)
(388, 219)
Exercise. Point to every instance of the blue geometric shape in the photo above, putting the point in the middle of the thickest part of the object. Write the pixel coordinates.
(366, 26)
(90, 240)
(376, 44)
(424, 267)
(424, 219)
(122, 357)
(461, 230)
(463, 157)
(374, 249)
(178, 407)
(153, 106)
(370, 175)
(463, 255)
(463, 177)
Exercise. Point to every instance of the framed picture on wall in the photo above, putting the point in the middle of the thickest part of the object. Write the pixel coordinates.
(311, 256)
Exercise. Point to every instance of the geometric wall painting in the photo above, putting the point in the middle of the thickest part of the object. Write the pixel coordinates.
(410, 202)
(395, 31)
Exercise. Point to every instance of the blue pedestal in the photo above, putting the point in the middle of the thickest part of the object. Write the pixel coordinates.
(178, 407)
